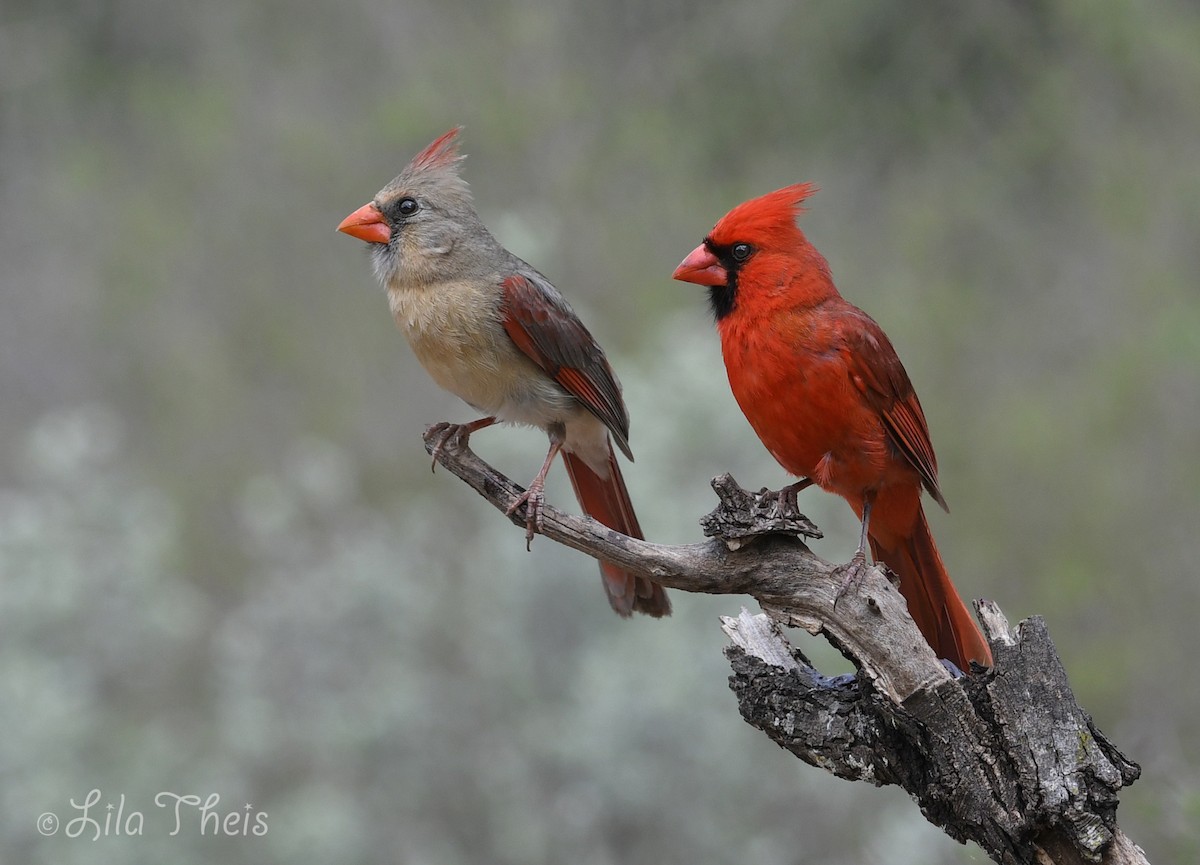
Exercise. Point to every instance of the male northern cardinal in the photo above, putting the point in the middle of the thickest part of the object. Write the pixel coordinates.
(494, 331)
(822, 386)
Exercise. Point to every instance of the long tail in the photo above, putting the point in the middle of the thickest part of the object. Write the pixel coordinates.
(933, 602)
(607, 500)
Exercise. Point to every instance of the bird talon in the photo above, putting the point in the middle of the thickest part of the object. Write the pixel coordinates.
(459, 433)
(852, 574)
(787, 504)
(443, 432)
(533, 500)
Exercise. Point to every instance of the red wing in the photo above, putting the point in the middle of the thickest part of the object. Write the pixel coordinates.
(877, 372)
(544, 327)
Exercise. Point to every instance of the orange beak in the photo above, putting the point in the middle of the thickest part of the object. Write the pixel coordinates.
(702, 268)
(368, 224)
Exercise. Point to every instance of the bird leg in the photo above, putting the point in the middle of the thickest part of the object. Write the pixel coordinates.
(785, 501)
(534, 497)
(853, 570)
(444, 432)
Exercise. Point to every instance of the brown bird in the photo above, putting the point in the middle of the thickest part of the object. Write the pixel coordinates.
(492, 330)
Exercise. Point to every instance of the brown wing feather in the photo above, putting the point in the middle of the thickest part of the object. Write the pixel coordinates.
(544, 327)
(881, 378)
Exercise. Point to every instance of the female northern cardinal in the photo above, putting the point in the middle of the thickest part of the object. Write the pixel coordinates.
(494, 331)
(822, 386)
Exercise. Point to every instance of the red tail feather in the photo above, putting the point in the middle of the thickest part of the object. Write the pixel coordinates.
(607, 500)
(933, 602)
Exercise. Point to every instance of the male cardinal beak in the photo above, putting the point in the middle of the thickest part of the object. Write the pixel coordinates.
(702, 268)
(368, 224)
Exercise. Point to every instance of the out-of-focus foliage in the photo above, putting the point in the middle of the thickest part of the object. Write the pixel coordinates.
(225, 567)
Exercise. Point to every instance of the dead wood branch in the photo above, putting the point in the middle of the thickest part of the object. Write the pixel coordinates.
(1003, 757)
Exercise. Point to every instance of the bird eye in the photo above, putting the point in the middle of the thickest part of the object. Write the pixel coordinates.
(741, 251)
(408, 206)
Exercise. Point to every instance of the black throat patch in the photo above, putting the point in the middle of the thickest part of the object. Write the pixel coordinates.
(722, 299)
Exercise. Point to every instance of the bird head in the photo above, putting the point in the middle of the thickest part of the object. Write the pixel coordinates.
(758, 236)
(419, 221)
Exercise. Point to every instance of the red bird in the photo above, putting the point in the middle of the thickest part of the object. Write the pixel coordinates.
(822, 386)
(494, 331)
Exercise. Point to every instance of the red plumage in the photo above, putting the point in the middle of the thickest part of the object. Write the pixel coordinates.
(442, 152)
(823, 388)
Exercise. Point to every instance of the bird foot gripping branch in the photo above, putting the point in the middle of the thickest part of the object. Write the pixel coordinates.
(743, 516)
(438, 436)
(441, 433)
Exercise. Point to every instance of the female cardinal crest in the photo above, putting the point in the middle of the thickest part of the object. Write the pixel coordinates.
(441, 153)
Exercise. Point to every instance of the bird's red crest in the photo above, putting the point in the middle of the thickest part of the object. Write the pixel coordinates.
(770, 215)
(441, 153)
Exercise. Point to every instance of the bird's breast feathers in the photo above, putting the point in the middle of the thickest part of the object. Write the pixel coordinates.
(798, 395)
(456, 332)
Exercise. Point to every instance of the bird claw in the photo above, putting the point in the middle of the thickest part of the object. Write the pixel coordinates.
(786, 504)
(533, 499)
(442, 434)
(852, 574)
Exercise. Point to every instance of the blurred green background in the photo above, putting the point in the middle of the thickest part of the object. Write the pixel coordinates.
(225, 567)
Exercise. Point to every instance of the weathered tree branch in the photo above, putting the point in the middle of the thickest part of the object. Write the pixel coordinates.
(1003, 757)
